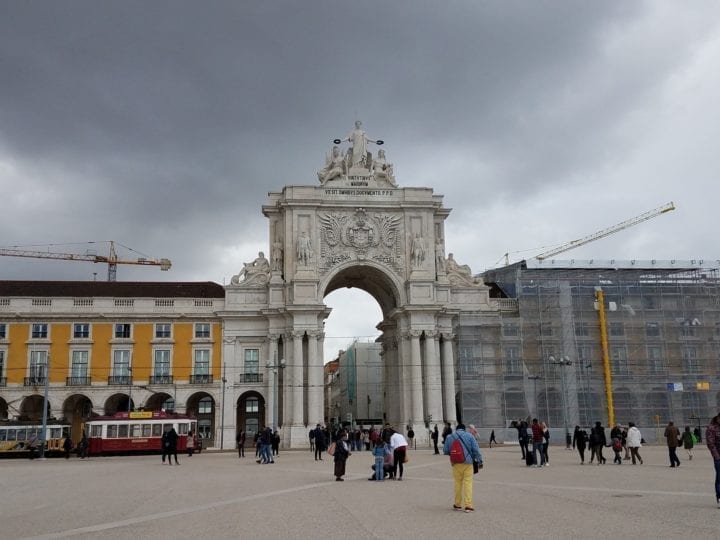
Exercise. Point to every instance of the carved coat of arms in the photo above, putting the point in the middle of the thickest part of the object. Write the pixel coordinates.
(359, 236)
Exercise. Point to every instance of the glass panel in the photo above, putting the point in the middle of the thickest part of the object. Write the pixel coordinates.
(3, 434)
(55, 433)
(21, 435)
(146, 430)
(79, 363)
(121, 363)
(183, 428)
(122, 431)
(96, 431)
(157, 430)
(252, 359)
(136, 430)
(167, 427)
(112, 431)
(12, 435)
(202, 362)
(162, 363)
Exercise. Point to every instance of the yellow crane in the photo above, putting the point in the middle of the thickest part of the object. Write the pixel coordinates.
(111, 259)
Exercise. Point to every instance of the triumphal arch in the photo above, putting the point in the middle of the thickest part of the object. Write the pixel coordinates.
(355, 226)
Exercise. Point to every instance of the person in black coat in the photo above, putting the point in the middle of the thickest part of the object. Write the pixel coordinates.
(435, 434)
(171, 441)
(597, 442)
(342, 452)
(579, 441)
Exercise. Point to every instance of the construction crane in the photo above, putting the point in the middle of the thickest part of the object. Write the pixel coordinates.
(111, 259)
(606, 232)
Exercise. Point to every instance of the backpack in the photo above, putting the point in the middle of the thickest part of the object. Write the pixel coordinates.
(457, 455)
(617, 444)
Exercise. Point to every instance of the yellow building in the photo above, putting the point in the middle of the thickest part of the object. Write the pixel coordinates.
(103, 347)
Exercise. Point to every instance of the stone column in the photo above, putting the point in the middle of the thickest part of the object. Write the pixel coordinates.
(433, 379)
(392, 392)
(416, 385)
(315, 380)
(296, 380)
(403, 379)
(272, 377)
(448, 376)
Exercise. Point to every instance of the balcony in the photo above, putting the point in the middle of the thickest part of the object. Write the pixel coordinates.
(160, 379)
(204, 378)
(77, 381)
(250, 378)
(34, 381)
(118, 380)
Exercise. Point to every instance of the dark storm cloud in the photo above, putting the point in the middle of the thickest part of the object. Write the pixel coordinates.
(165, 124)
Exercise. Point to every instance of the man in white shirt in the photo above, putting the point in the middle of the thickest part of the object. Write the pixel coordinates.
(399, 444)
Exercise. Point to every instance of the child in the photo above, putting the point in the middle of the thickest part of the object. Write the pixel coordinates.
(379, 452)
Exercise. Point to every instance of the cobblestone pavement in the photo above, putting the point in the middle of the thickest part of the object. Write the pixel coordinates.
(221, 496)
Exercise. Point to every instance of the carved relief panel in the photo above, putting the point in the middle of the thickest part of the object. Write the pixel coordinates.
(361, 235)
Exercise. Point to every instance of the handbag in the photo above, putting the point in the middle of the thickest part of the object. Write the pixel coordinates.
(331, 449)
(476, 463)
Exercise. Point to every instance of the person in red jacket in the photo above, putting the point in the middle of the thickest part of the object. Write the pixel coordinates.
(538, 440)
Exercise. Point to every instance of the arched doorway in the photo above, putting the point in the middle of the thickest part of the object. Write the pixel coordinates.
(77, 409)
(251, 414)
(117, 403)
(160, 401)
(31, 408)
(3, 409)
(201, 405)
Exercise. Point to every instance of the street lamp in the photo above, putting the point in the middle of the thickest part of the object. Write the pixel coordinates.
(535, 379)
(222, 410)
(129, 388)
(45, 407)
(562, 362)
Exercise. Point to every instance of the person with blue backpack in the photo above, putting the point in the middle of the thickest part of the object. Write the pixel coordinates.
(465, 458)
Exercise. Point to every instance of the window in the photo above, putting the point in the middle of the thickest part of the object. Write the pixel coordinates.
(252, 360)
(691, 360)
(2, 366)
(38, 366)
(202, 330)
(3, 331)
(122, 431)
(652, 329)
(40, 331)
(205, 405)
(617, 329)
(122, 330)
(655, 359)
(619, 360)
(96, 431)
(112, 431)
(513, 365)
(648, 302)
(511, 329)
(146, 430)
(581, 329)
(121, 363)
(79, 364)
(81, 330)
(202, 362)
(156, 430)
(687, 330)
(136, 430)
(252, 405)
(163, 330)
(162, 363)
(546, 329)
(168, 404)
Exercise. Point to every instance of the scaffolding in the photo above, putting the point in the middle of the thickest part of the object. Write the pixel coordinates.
(543, 358)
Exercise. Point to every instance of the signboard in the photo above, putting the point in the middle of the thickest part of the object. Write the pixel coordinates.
(703, 386)
(140, 414)
(675, 387)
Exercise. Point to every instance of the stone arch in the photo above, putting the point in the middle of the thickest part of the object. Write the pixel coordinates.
(369, 276)
(202, 406)
(31, 408)
(250, 413)
(77, 408)
(117, 403)
(160, 400)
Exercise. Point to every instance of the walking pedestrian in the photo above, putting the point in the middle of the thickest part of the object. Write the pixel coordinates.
(712, 440)
(463, 471)
(688, 442)
(319, 437)
(240, 440)
(597, 443)
(634, 442)
(672, 435)
(171, 442)
(341, 455)
(538, 440)
(492, 438)
(434, 436)
(67, 446)
(546, 442)
(190, 444)
(579, 442)
(83, 446)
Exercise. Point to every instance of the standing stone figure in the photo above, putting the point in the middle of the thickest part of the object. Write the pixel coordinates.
(277, 257)
(439, 256)
(304, 249)
(417, 255)
(359, 141)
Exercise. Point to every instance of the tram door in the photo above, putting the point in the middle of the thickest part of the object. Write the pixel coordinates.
(204, 429)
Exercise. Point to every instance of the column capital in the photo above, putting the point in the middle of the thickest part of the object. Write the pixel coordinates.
(449, 336)
(272, 338)
(415, 333)
(297, 334)
(432, 334)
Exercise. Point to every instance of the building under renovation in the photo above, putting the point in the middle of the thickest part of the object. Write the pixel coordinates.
(543, 355)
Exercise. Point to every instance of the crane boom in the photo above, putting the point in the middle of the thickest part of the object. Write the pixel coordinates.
(111, 260)
(607, 232)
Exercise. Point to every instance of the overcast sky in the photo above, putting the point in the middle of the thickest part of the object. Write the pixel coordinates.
(163, 125)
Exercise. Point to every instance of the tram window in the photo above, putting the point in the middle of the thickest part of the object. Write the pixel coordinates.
(21, 434)
(182, 429)
(112, 431)
(11, 434)
(122, 431)
(55, 432)
(167, 427)
(3, 435)
(157, 430)
(32, 432)
(146, 430)
(96, 431)
(136, 430)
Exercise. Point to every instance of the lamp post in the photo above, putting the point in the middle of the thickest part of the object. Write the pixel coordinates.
(563, 362)
(222, 410)
(45, 407)
(129, 389)
(535, 379)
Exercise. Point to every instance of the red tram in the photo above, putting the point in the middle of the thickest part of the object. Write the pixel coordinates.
(136, 432)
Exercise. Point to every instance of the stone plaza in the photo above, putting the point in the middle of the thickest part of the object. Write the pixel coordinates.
(218, 495)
